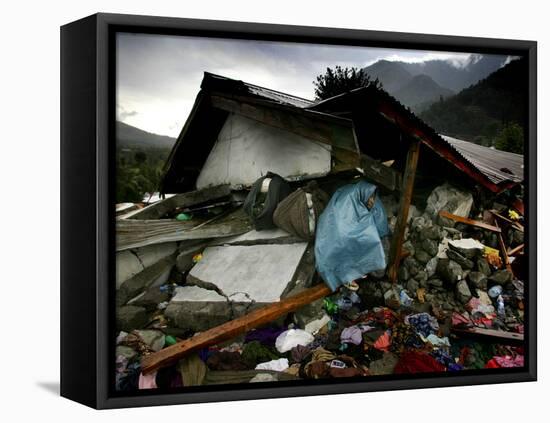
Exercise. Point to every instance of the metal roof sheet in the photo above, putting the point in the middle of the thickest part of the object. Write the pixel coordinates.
(497, 165)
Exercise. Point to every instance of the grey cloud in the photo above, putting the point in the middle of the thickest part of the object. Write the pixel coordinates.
(166, 70)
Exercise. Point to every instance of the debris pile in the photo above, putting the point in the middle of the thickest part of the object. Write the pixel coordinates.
(457, 303)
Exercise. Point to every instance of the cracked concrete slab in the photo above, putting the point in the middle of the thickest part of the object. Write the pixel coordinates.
(260, 272)
(231, 281)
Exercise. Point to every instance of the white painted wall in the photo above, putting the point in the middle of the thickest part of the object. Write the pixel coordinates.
(247, 149)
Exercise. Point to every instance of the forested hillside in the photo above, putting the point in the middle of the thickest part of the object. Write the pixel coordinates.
(491, 112)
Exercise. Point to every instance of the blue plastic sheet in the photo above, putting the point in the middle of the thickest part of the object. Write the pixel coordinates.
(348, 237)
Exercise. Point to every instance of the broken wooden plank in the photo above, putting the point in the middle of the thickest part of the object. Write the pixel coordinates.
(503, 251)
(187, 199)
(516, 250)
(380, 174)
(492, 334)
(516, 225)
(133, 233)
(229, 330)
(470, 222)
(403, 211)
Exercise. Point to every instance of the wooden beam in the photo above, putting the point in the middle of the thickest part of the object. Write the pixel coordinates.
(516, 250)
(187, 199)
(492, 334)
(516, 225)
(504, 251)
(380, 174)
(403, 211)
(233, 328)
(439, 146)
(470, 222)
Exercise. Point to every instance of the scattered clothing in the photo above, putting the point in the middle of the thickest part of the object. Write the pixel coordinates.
(147, 381)
(291, 338)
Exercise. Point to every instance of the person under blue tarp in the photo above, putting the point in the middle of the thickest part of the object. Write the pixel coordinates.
(349, 232)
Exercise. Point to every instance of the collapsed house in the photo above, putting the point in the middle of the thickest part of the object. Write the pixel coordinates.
(194, 263)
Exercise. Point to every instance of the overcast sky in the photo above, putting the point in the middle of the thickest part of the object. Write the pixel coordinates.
(158, 76)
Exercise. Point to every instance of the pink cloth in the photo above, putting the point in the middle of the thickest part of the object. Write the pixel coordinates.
(147, 381)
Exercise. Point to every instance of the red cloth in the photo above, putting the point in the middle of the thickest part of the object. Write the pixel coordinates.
(492, 364)
(417, 362)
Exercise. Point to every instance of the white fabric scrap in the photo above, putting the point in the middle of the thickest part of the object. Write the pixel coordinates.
(276, 365)
(292, 338)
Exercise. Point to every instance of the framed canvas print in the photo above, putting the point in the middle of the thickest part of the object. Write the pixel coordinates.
(257, 211)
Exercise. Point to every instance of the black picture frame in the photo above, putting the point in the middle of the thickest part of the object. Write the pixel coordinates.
(87, 212)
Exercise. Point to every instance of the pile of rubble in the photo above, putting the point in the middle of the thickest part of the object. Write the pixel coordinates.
(457, 303)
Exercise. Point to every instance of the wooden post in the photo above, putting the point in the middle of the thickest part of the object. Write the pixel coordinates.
(403, 211)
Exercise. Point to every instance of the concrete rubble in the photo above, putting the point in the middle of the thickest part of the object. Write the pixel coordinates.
(169, 291)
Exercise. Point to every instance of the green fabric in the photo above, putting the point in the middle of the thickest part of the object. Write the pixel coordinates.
(255, 352)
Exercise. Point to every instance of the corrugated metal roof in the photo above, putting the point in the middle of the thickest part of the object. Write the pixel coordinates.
(493, 168)
(497, 165)
(485, 161)
(256, 90)
(278, 96)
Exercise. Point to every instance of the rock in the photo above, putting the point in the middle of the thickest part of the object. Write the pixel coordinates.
(408, 246)
(430, 246)
(385, 286)
(431, 266)
(403, 274)
(391, 299)
(418, 223)
(385, 365)
(129, 318)
(448, 198)
(431, 232)
(463, 293)
(500, 277)
(153, 338)
(449, 270)
(435, 282)
(412, 286)
(451, 233)
(482, 265)
(460, 259)
(478, 280)
(421, 276)
(412, 265)
(467, 247)
(422, 256)
(125, 352)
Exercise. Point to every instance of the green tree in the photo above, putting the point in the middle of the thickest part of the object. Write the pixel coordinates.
(340, 80)
(510, 138)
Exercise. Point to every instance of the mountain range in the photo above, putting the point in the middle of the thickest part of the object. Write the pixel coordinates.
(478, 113)
(131, 137)
(417, 85)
